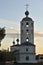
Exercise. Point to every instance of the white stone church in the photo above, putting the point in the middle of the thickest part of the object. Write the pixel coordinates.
(25, 51)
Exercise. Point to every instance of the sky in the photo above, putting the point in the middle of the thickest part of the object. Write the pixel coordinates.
(12, 12)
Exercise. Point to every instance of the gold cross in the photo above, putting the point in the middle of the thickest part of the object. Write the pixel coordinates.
(27, 7)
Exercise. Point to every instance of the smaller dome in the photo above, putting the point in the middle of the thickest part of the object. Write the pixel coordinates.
(26, 13)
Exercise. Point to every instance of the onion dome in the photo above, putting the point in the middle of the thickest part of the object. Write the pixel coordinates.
(27, 18)
(13, 42)
(17, 40)
(26, 13)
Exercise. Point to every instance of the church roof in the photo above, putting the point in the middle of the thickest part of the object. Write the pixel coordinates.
(27, 19)
(27, 43)
(24, 44)
(15, 45)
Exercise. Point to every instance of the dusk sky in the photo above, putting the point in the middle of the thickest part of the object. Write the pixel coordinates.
(12, 12)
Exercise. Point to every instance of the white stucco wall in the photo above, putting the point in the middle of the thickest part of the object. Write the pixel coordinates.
(23, 53)
(31, 49)
(23, 58)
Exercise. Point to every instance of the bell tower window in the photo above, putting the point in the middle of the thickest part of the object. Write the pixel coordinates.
(27, 33)
(27, 30)
(27, 24)
(27, 39)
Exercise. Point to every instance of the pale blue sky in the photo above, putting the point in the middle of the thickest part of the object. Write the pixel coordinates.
(12, 12)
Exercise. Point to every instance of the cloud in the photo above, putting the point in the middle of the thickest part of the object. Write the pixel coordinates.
(38, 39)
(8, 23)
(12, 32)
(38, 34)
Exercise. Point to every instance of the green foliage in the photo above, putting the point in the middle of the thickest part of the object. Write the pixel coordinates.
(6, 56)
(2, 34)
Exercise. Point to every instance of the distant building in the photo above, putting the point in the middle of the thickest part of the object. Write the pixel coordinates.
(25, 51)
(39, 58)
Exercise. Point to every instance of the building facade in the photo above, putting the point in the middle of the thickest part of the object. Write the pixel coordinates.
(25, 51)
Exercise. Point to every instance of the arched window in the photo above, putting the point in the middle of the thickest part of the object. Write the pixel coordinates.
(27, 58)
(27, 24)
(27, 30)
(27, 39)
(26, 49)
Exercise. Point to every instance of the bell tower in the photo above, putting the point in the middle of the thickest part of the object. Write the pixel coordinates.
(27, 28)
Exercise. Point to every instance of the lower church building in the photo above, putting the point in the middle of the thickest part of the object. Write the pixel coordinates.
(25, 51)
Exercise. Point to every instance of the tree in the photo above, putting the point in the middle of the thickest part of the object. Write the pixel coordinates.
(2, 34)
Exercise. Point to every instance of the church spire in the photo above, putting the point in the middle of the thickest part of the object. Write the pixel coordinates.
(26, 13)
